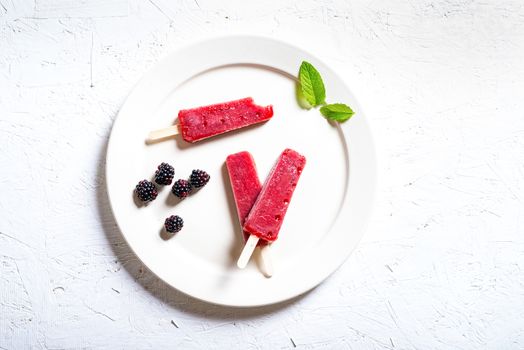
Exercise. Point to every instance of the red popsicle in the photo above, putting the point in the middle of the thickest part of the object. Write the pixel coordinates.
(265, 218)
(203, 122)
(246, 186)
(267, 214)
(244, 182)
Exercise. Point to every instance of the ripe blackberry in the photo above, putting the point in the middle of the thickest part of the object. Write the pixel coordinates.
(174, 223)
(182, 188)
(199, 178)
(146, 191)
(164, 174)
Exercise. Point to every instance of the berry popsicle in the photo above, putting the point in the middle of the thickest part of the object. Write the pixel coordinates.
(267, 215)
(246, 186)
(244, 182)
(203, 122)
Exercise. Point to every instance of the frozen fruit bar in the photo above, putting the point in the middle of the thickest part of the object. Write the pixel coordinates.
(244, 183)
(266, 216)
(200, 123)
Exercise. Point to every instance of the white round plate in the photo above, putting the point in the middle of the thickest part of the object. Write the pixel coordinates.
(330, 207)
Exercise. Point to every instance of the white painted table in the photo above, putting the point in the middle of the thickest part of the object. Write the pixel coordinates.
(441, 266)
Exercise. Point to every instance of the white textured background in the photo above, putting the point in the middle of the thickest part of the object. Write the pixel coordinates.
(441, 266)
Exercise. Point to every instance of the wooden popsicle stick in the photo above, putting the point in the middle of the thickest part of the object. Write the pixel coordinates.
(162, 133)
(267, 264)
(250, 246)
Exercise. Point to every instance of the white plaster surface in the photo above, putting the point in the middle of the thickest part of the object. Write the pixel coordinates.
(441, 266)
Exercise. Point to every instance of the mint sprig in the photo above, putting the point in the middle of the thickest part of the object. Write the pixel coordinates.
(337, 111)
(311, 92)
(311, 84)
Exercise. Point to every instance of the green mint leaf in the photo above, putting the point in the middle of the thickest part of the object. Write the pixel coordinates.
(311, 84)
(337, 111)
(301, 100)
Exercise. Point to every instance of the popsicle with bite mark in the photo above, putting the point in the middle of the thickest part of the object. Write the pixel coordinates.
(203, 122)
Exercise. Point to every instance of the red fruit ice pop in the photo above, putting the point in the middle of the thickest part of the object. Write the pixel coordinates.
(244, 182)
(267, 214)
(203, 122)
(246, 186)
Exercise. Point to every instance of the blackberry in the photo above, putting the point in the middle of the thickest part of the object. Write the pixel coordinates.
(146, 191)
(182, 188)
(164, 174)
(174, 223)
(199, 178)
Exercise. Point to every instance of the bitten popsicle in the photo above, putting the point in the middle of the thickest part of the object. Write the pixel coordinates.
(246, 186)
(265, 218)
(203, 122)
